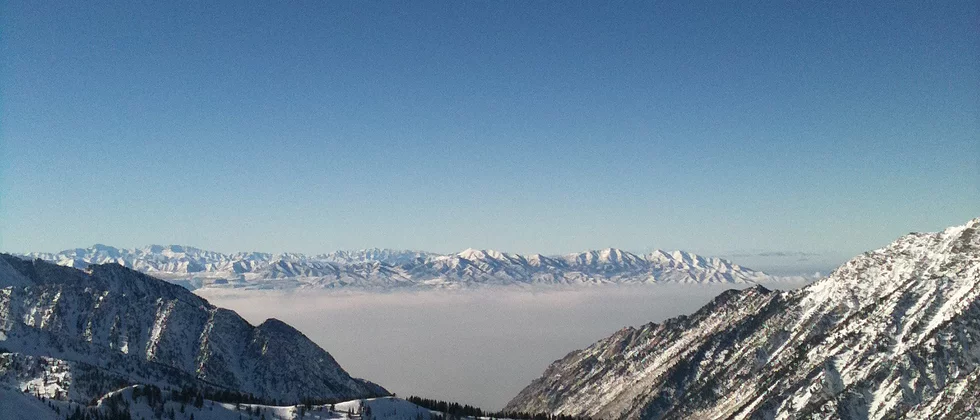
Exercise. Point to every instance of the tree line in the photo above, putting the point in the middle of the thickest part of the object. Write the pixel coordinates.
(457, 411)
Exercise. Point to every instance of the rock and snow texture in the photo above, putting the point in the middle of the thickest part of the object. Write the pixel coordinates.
(78, 334)
(893, 333)
(20, 406)
(387, 269)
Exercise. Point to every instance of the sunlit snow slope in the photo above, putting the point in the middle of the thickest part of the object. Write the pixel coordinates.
(893, 333)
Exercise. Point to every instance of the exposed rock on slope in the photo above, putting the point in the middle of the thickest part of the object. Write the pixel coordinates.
(892, 333)
(111, 326)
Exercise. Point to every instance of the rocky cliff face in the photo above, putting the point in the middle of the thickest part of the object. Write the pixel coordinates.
(111, 326)
(892, 333)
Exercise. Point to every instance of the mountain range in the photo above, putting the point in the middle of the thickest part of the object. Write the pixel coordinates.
(892, 333)
(390, 269)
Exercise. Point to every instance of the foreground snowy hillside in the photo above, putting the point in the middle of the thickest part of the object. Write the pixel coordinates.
(892, 333)
(68, 334)
(141, 402)
(386, 269)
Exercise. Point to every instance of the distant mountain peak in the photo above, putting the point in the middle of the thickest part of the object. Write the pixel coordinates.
(386, 268)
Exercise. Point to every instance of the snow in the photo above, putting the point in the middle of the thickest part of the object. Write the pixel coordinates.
(16, 405)
(889, 330)
(380, 269)
(11, 277)
(77, 328)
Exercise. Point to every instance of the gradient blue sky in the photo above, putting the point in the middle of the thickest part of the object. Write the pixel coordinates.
(828, 127)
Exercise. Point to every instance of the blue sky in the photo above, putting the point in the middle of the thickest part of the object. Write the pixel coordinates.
(521, 126)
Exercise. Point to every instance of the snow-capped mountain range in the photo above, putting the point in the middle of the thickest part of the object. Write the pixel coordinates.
(893, 333)
(77, 335)
(385, 269)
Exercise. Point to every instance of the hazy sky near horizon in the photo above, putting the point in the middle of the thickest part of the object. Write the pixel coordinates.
(521, 126)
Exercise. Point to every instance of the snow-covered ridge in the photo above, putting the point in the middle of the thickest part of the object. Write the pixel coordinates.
(139, 402)
(111, 325)
(385, 269)
(890, 334)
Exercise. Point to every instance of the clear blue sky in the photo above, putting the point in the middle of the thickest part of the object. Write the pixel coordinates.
(521, 126)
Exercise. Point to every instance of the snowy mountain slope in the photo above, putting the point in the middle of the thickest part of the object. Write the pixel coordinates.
(890, 334)
(16, 405)
(140, 402)
(111, 326)
(386, 269)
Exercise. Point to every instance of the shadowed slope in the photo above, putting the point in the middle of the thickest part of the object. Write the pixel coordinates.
(140, 329)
